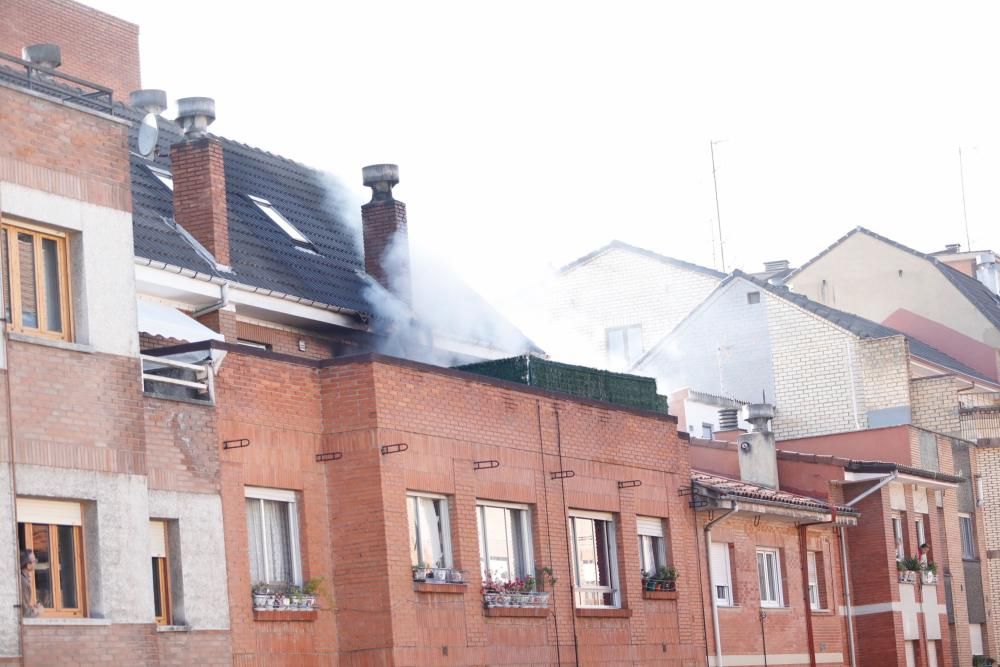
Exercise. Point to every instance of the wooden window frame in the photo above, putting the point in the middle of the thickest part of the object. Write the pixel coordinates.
(162, 565)
(10, 229)
(57, 610)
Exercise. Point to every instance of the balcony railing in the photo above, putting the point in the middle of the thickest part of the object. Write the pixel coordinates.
(54, 83)
(169, 378)
(979, 415)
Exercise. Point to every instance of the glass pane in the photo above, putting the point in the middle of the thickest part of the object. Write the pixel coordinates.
(67, 567)
(497, 545)
(482, 543)
(157, 586)
(616, 347)
(646, 554)
(53, 299)
(516, 523)
(6, 274)
(586, 554)
(26, 260)
(279, 542)
(255, 541)
(603, 553)
(634, 344)
(762, 576)
(430, 531)
(43, 569)
(411, 511)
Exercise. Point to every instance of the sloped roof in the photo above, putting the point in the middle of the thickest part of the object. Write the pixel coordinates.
(663, 259)
(867, 465)
(859, 326)
(725, 486)
(987, 303)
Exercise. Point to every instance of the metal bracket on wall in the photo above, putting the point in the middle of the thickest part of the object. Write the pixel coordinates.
(236, 444)
(630, 483)
(329, 456)
(562, 474)
(392, 449)
(484, 465)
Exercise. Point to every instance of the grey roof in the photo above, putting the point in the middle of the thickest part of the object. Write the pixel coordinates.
(974, 291)
(619, 245)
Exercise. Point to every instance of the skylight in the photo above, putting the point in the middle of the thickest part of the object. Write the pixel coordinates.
(271, 212)
(163, 176)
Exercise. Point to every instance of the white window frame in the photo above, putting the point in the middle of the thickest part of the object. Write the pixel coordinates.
(769, 576)
(722, 579)
(812, 564)
(968, 536)
(275, 216)
(445, 524)
(526, 554)
(162, 175)
(612, 553)
(291, 499)
(652, 528)
(898, 538)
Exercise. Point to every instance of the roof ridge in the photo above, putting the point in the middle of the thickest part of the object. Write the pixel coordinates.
(652, 254)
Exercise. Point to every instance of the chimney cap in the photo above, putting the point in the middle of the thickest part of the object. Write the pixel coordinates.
(758, 414)
(194, 115)
(46, 55)
(149, 100)
(380, 178)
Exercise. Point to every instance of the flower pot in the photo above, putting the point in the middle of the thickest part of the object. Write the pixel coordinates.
(261, 601)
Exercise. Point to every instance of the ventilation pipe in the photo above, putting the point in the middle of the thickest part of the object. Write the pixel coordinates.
(194, 115)
(48, 56)
(149, 100)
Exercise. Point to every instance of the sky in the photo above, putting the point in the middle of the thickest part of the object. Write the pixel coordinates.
(530, 133)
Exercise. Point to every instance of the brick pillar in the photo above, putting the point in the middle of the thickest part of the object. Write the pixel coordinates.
(383, 219)
(200, 193)
(223, 322)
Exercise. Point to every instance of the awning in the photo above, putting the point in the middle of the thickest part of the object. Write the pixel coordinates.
(159, 320)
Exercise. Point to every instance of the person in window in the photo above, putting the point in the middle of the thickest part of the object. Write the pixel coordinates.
(924, 551)
(28, 561)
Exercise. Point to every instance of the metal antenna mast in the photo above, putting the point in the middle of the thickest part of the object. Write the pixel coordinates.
(718, 217)
(965, 213)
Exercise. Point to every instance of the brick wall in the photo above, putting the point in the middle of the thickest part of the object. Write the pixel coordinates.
(987, 462)
(95, 46)
(33, 149)
(935, 403)
(284, 341)
(885, 372)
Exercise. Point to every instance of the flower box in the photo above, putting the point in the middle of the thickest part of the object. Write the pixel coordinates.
(533, 599)
(438, 575)
(659, 584)
(907, 577)
(928, 578)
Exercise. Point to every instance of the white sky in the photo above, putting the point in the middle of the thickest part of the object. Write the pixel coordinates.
(529, 133)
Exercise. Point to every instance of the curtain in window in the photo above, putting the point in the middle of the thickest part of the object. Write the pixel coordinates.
(255, 539)
(429, 529)
(279, 540)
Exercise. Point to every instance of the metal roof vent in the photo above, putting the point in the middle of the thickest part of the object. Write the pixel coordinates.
(194, 115)
(729, 419)
(776, 265)
(44, 55)
(380, 178)
(149, 100)
(953, 247)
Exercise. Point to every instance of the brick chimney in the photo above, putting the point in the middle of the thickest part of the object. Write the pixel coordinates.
(383, 219)
(200, 178)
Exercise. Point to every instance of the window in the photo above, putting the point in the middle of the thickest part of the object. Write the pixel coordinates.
(53, 531)
(769, 576)
(897, 533)
(273, 536)
(706, 430)
(814, 597)
(163, 176)
(753, 297)
(36, 281)
(592, 540)
(968, 536)
(254, 344)
(624, 346)
(161, 572)
(275, 216)
(504, 541)
(722, 575)
(921, 535)
(652, 548)
(430, 534)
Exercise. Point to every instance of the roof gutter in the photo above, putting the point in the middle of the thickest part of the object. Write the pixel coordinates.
(715, 603)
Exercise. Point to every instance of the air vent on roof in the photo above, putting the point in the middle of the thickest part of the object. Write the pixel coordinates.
(776, 265)
(194, 115)
(728, 419)
(953, 247)
(45, 55)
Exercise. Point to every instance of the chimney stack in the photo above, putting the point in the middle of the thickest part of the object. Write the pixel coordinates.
(199, 177)
(383, 219)
(44, 55)
(758, 450)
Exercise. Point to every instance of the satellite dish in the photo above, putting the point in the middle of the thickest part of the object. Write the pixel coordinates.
(149, 132)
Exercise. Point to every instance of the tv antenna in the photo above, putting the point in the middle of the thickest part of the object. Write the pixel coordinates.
(718, 216)
(965, 213)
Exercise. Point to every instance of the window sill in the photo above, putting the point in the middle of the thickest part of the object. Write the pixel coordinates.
(56, 620)
(173, 628)
(282, 615)
(659, 595)
(597, 612)
(770, 609)
(49, 342)
(449, 589)
(516, 612)
(822, 612)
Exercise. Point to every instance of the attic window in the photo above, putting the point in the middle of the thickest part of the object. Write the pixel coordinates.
(163, 176)
(278, 219)
(753, 297)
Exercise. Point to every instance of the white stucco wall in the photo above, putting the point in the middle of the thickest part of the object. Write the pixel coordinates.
(102, 273)
(618, 288)
(202, 554)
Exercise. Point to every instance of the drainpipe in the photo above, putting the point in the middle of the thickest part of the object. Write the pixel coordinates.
(845, 568)
(804, 560)
(218, 305)
(715, 604)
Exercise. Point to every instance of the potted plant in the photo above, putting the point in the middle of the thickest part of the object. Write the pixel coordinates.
(420, 572)
(929, 574)
(667, 578)
(310, 590)
(911, 566)
(546, 578)
(261, 596)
